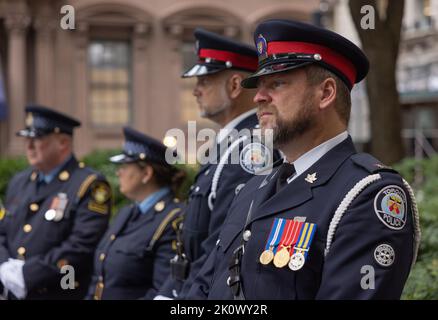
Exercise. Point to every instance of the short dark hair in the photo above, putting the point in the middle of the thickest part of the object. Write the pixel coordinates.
(316, 75)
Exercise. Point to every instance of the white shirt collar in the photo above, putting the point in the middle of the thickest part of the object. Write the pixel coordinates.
(310, 157)
(225, 131)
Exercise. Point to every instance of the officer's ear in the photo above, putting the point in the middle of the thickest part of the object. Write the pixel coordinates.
(233, 85)
(148, 173)
(64, 140)
(326, 93)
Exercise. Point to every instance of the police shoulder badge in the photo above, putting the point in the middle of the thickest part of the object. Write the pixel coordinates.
(255, 158)
(390, 206)
(100, 194)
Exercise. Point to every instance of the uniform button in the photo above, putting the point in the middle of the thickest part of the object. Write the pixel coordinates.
(21, 251)
(207, 172)
(112, 237)
(218, 241)
(102, 257)
(27, 228)
(197, 189)
(34, 207)
(246, 235)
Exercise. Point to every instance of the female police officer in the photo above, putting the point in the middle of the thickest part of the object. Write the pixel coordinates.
(132, 259)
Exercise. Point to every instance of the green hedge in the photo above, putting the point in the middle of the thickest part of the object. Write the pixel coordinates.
(423, 280)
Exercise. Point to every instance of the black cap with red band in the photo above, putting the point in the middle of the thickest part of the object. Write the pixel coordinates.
(284, 45)
(217, 53)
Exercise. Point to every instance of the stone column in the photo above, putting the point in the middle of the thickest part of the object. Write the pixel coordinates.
(45, 56)
(84, 139)
(16, 23)
(140, 79)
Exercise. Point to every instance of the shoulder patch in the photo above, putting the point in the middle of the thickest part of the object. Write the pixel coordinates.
(99, 196)
(390, 206)
(369, 163)
(2, 212)
(100, 192)
(255, 157)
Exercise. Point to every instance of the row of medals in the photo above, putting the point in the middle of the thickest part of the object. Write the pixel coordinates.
(283, 258)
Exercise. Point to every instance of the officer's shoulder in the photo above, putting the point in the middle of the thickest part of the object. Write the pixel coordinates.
(370, 164)
(25, 174)
(170, 206)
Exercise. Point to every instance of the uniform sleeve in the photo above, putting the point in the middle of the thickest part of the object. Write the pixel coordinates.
(232, 180)
(200, 285)
(4, 221)
(371, 254)
(163, 252)
(90, 222)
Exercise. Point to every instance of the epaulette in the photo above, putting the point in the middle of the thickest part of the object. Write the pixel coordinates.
(371, 164)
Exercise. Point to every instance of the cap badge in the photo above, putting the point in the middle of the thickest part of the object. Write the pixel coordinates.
(262, 46)
(29, 119)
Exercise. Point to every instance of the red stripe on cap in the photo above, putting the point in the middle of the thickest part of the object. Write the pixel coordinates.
(328, 55)
(238, 60)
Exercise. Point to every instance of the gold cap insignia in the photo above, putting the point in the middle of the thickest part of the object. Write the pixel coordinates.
(29, 119)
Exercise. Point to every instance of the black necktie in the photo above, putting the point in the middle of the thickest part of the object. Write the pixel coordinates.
(285, 171)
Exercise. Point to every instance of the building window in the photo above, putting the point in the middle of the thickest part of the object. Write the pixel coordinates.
(110, 82)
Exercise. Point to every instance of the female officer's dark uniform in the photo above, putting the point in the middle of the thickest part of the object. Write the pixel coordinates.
(132, 260)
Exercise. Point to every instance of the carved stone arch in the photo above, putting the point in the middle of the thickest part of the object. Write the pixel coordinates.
(117, 14)
(287, 11)
(180, 20)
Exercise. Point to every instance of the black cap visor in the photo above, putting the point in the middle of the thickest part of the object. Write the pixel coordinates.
(122, 158)
(272, 68)
(33, 133)
(202, 69)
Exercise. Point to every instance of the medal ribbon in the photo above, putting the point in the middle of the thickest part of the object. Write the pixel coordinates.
(305, 238)
(276, 230)
(291, 233)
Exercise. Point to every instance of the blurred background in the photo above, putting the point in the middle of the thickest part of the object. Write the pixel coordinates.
(121, 65)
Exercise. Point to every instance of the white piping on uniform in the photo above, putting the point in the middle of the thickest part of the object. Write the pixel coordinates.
(220, 166)
(342, 208)
(416, 221)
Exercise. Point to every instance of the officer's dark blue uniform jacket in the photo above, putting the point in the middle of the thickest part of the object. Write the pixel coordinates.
(201, 225)
(359, 232)
(46, 246)
(132, 260)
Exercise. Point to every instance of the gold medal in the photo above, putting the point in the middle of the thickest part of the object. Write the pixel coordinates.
(266, 257)
(281, 258)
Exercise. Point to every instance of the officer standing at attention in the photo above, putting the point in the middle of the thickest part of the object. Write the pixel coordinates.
(132, 259)
(56, 212)
(328, 217)
(222, 65)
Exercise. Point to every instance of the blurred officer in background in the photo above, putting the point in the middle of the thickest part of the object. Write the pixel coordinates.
(222, 65)
(56, 212)
(329, 223)
(132, 260)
